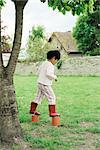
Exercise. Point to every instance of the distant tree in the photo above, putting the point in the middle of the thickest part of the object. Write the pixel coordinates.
(37, 32)
(35, 45)
(87, 32)
(5, 41)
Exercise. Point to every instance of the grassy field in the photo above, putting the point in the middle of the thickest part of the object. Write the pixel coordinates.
(78, 102)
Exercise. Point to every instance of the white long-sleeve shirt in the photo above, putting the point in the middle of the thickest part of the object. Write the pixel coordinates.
(46, 73)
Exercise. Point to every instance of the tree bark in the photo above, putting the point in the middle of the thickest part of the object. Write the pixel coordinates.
(9, 122)
(1, 60)
(10, 128)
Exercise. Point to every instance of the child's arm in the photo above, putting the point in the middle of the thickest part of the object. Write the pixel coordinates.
(50, 74)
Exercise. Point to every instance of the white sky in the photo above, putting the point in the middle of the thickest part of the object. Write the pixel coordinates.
(37, 13)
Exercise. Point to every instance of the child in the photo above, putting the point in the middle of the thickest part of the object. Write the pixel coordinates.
(46, 76)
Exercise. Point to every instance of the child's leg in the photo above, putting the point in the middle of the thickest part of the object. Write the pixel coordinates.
(36, 101)
(48, 92)
(39, 96)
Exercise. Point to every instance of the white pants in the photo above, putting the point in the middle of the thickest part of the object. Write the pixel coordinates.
(47, 91)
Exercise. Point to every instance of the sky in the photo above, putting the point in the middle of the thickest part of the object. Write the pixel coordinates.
(37, 13)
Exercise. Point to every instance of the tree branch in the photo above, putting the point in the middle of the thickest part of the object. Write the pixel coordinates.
(19, 7)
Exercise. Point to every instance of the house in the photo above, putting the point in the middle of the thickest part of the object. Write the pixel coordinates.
(64, 42)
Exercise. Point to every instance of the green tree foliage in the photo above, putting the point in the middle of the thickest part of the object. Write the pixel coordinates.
(37, 32)
(2, 2)
(35, 45)
(75, 6)
(87, 32)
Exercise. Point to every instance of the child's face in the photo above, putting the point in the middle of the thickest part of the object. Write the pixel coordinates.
(53, 61)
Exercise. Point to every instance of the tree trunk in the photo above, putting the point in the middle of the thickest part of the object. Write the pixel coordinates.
(10, 128)
(9, 123)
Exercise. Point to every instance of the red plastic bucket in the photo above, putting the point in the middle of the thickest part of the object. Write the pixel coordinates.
(35, 118)
(56, 121)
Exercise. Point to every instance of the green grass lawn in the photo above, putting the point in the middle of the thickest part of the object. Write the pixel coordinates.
(78, 102)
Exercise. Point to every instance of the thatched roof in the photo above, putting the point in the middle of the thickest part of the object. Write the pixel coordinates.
(66, 40)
